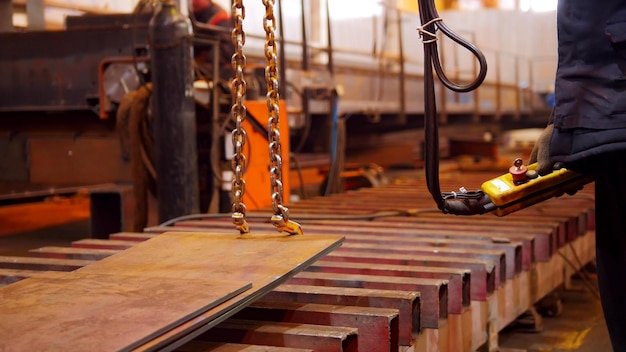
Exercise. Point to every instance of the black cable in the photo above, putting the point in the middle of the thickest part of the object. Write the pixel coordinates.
(583, 271)
(585, 280)
(463, 202)
(293, 158)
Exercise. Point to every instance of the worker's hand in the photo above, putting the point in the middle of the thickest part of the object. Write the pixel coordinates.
(541, 152)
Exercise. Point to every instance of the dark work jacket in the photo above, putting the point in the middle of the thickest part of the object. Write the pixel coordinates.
(215, 15)
(590, 88)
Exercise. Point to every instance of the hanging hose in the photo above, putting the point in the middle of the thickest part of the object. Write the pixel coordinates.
(133, 127)
(463, 202)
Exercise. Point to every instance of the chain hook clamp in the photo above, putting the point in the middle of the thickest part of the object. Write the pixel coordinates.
(240, 222)
(282, 223)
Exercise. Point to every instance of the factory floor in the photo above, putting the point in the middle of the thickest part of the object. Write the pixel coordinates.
(57, 222)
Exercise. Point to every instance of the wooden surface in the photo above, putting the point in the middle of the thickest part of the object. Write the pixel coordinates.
(101, 312)
(159, 292)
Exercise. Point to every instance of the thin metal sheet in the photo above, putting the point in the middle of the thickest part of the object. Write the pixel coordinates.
(101, 312)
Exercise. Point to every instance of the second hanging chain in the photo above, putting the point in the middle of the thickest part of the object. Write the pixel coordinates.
(280, 219)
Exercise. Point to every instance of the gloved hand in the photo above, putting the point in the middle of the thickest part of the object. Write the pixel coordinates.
(541, 151)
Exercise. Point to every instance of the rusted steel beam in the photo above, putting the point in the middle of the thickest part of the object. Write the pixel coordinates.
(496, 257)
(458, 279)
(381, 229)
(204, 346)
(513, 249)
(377, 327)
(103, 244)
(130, 236)
(541, 237)
(316, 337)
(402, 198)
(483, 272)
(32, 263)
(9, 276)
(72, 253)
(567, 218)
(436, 224)
(369, 199)
(406, 303)
(433, 292)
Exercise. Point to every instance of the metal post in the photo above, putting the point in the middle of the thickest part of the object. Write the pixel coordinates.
(403, 118)
(6, 16)
(173, 108)
(35, 15)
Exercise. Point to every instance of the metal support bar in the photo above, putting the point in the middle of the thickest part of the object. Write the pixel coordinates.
(407, 303)
(72, 253)
(378, 327)
(6, 16)
(322, 338)
(458, 279)
(434, 292)
(483, 276)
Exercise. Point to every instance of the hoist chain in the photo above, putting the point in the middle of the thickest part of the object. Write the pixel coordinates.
(280, 219)
(238, 113)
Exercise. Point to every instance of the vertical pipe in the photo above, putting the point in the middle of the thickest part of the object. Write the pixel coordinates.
(173, 109)
(518, 95)
(306, 91)
(282, 74)
(498, 88)
(35, 15)
(329, 36)
(216, 132)
(305, 46)
(530, 89)
(402, 82)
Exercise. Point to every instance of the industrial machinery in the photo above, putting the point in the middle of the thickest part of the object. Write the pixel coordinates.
(401, 279)
(81, 73)
(96, 59)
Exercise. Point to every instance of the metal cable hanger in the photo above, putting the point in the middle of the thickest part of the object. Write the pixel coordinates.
(462, 202)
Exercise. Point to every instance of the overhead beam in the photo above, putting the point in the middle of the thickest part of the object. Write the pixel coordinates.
(64, 5)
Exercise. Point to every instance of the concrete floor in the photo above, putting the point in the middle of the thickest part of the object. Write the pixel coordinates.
(580, 327)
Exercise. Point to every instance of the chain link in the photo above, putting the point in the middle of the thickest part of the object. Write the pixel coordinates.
(280, 219)
(238, 113)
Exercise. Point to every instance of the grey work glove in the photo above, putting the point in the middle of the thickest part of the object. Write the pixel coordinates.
(541, 151)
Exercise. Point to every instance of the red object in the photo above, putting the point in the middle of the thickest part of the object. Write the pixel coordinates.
(518, 173)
